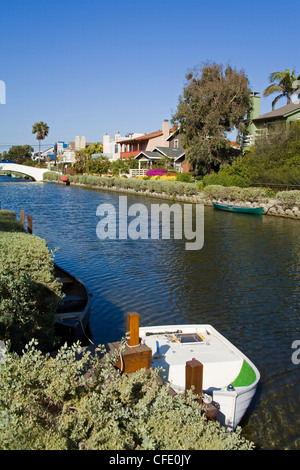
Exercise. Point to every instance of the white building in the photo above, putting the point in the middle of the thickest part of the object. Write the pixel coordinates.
(46, 153)
(111, 146)
(67, 153)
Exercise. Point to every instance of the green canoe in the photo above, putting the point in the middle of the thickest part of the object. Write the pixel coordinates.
(241, 209)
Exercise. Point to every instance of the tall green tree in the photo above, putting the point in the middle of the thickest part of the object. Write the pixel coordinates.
(282, 83)
(215, 101)
(18, 153)
(41, 129)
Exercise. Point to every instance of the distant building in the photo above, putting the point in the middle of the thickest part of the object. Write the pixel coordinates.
(66, 153)
(133, 145)
(46, 155)
(112, 146)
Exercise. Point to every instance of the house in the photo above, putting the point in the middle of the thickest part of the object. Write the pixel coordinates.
(260, 123)
(66, 153)
(47, 155)
(112, 145)
(171, 147)
(177, 156)
(132, 146)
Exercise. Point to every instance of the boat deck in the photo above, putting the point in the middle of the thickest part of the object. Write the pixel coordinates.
(170, 350)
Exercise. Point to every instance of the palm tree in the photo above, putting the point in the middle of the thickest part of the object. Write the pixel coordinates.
(41, 130)
(281, 82)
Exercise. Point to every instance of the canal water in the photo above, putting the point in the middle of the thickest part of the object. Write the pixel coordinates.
(245, 281)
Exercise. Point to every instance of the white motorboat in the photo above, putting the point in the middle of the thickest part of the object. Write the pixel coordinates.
(229, 378)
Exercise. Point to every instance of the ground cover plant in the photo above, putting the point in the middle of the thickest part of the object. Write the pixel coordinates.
(76, 401)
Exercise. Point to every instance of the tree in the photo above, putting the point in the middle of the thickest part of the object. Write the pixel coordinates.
(84, 157)
(214, 102)
(41, 130)
(19, 153)
(282, 83)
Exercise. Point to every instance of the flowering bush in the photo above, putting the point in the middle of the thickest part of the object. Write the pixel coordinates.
(155, 177)
(156, 172)
(168, 178)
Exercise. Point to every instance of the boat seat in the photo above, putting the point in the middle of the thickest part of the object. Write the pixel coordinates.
(73, 298)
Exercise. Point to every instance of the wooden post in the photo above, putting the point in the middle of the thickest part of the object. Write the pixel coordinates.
(194, 376)
(22, 217)
(133, 328)
(29, 223)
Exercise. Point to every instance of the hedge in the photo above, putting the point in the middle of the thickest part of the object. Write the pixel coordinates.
(235, 193)
(29, 291)
(173, 188)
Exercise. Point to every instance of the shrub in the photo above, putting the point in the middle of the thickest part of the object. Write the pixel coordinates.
(289, 198)
(165, 184)
(184, 177)
(154, 177)
(29, 292)
(234, 193)
(49, 403)
(156, 172)
(224, 179)
(51, 176)
(168, 178)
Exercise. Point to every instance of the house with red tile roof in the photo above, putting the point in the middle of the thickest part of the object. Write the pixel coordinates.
(146, 142)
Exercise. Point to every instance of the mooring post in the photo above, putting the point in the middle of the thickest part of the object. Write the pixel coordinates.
(22, 217)
(29, 223)
(133, 328)
(194, 377)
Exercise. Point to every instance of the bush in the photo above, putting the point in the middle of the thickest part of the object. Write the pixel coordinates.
(156, 172)
(234, 193)
(184, 177)
(51, 403)
(289, 198)
(224, 179)
(166, 185)
(29, 292)
(273, 160)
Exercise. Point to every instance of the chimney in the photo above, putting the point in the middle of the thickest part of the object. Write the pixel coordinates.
(77, 143)
(106, 145)
(166, 131)
(82, 142)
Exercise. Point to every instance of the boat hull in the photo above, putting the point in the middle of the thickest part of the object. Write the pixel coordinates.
(222, 364)
(239, 209)
(73, 313)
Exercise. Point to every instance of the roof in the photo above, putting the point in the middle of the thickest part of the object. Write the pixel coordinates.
(163, 151)
(174, 130)
(150, 155)
(171, 151)
(142, 137)
(280, 112)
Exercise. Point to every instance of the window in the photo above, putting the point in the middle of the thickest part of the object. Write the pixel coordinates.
(176, 144)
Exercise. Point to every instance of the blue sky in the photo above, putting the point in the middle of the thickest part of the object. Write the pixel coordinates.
(91, 67)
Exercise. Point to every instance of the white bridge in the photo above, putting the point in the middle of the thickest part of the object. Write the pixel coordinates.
(34, 173)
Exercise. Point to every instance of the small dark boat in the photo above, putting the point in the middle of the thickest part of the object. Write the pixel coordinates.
(240, 209)
(73, 312)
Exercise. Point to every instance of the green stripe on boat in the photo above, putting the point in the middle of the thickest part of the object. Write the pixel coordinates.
(246, 376)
